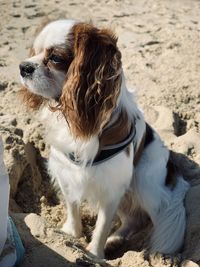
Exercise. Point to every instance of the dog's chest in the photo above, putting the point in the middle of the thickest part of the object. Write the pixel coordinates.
(91, 183)
(105, 180)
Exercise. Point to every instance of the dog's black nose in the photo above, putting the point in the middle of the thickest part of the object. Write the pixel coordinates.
(27, 68)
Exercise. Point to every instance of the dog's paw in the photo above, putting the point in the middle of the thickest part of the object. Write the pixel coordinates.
(113, 243)
(71, 229)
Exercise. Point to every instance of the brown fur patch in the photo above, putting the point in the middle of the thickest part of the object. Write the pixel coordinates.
(117, 132)
(93, 80)
(65, 55)
(129, 207)
(31, 100)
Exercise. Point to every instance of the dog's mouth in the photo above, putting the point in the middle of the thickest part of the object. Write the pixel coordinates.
(28, 82)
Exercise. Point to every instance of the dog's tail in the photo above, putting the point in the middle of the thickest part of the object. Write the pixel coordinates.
(170, 221)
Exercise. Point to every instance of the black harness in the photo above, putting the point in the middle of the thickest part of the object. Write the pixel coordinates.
(110, 151)
(107, 152)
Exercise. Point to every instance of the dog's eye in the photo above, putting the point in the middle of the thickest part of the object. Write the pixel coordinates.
(56, 59)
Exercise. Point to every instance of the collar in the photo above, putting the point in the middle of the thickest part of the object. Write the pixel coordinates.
(106, 152)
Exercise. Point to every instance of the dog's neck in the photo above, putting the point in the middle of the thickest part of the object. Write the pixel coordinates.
(116, 130)
(122, 120)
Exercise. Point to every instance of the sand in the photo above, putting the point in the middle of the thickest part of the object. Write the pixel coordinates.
(160, 44)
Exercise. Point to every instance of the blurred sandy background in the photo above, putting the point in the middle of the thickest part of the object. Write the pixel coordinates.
(160, 44)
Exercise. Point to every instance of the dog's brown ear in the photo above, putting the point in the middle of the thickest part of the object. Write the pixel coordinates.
(93, 80)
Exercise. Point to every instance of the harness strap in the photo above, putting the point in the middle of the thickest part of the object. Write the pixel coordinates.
(111, 151)
(106, 152)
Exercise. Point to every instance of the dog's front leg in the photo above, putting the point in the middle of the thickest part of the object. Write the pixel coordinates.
(102, 228)
(73, 224)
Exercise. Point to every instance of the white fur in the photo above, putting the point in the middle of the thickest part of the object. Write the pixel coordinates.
(164, 205)
(54, 33)
(104, 185)
(169, 223)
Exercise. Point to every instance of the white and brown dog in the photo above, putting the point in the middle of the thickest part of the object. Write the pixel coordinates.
(102, 150)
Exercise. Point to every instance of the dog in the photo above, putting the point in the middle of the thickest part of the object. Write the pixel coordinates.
(101, 148)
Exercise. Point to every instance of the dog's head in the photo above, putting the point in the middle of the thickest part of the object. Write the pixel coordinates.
(79, 66)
